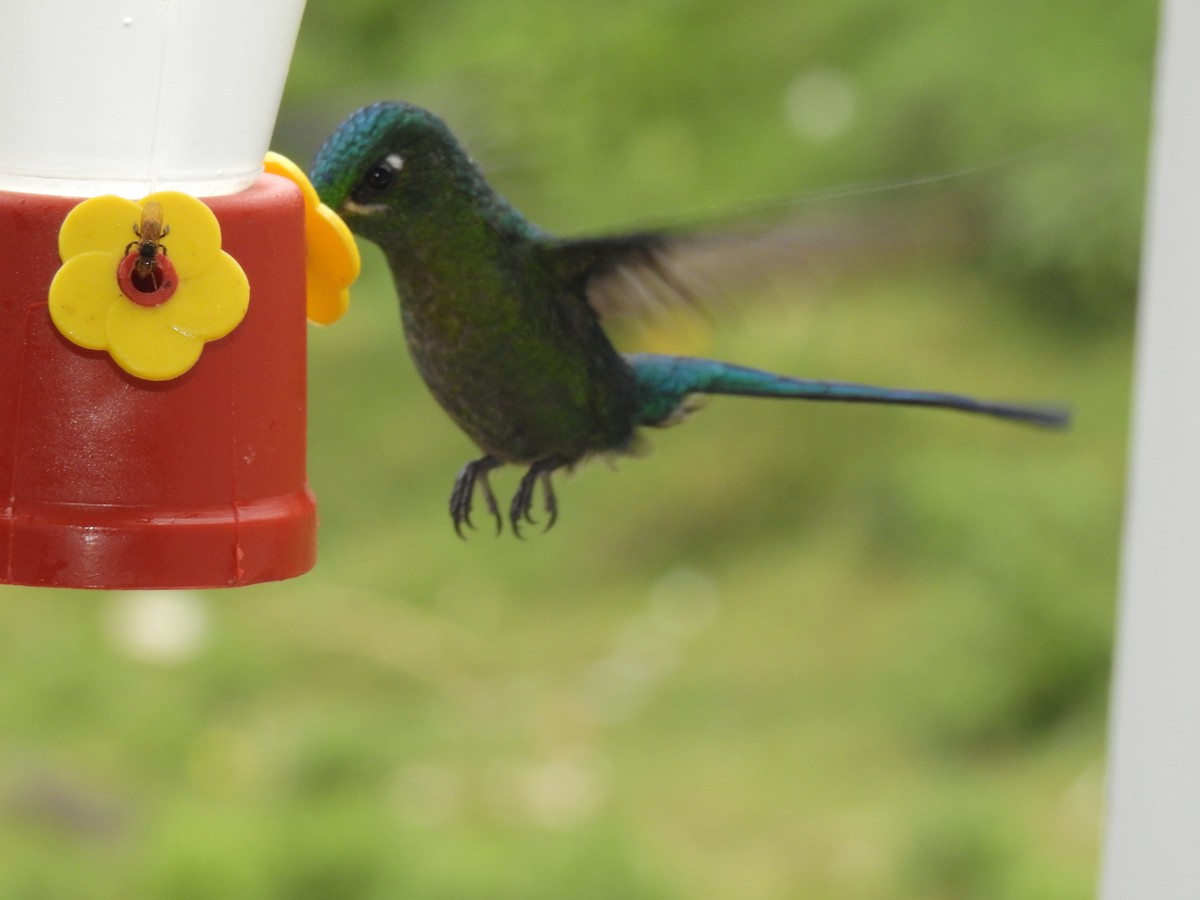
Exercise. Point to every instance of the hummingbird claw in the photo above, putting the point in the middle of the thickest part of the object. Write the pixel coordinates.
(551, 502)
(460, 501)
(490, 499)
(474, 472)
(522, 502)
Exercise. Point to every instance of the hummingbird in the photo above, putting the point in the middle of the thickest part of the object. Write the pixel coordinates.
(504, 321)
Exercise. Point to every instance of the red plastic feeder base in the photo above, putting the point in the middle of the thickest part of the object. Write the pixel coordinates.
(108, 481)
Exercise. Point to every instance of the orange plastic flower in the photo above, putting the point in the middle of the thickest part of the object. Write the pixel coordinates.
(152, 317)
(333, 262)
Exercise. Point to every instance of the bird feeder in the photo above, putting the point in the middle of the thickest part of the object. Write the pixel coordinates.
(153, 287)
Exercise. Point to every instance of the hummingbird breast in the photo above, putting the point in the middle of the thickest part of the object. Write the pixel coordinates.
(527, 375)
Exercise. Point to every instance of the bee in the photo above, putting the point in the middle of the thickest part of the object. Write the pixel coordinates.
(149, 232)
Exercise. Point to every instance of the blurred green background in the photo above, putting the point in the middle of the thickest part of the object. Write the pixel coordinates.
(795, 651)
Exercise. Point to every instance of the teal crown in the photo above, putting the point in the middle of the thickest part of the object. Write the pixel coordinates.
(360, 137)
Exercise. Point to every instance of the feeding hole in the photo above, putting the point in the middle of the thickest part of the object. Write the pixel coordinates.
(147, 284)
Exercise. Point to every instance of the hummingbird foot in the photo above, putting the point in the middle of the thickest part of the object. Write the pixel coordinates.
(522, 502)
(472, 474)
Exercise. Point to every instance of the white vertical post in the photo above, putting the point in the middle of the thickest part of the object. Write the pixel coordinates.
(1152, 847)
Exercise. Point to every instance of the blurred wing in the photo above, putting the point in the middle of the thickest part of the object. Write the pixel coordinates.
(651, 273)
(853, 229)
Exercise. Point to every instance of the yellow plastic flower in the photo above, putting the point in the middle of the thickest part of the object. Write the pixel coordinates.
(333, 262)
(153, 296)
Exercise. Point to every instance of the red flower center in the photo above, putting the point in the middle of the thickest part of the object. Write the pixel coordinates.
(147, 281)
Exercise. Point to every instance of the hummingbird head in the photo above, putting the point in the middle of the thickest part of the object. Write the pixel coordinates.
(388, 166)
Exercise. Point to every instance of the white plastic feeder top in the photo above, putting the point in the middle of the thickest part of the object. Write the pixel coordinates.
(131, 96)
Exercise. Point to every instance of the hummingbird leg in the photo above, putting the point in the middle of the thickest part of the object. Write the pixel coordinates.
(474, 472)
(522, 502)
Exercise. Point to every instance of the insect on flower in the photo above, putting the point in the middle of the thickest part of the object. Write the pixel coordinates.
(149, 232)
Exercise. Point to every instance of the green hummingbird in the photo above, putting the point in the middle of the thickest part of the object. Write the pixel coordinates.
(504, 321)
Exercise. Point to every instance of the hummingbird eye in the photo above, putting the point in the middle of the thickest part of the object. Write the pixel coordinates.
(382, 175)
